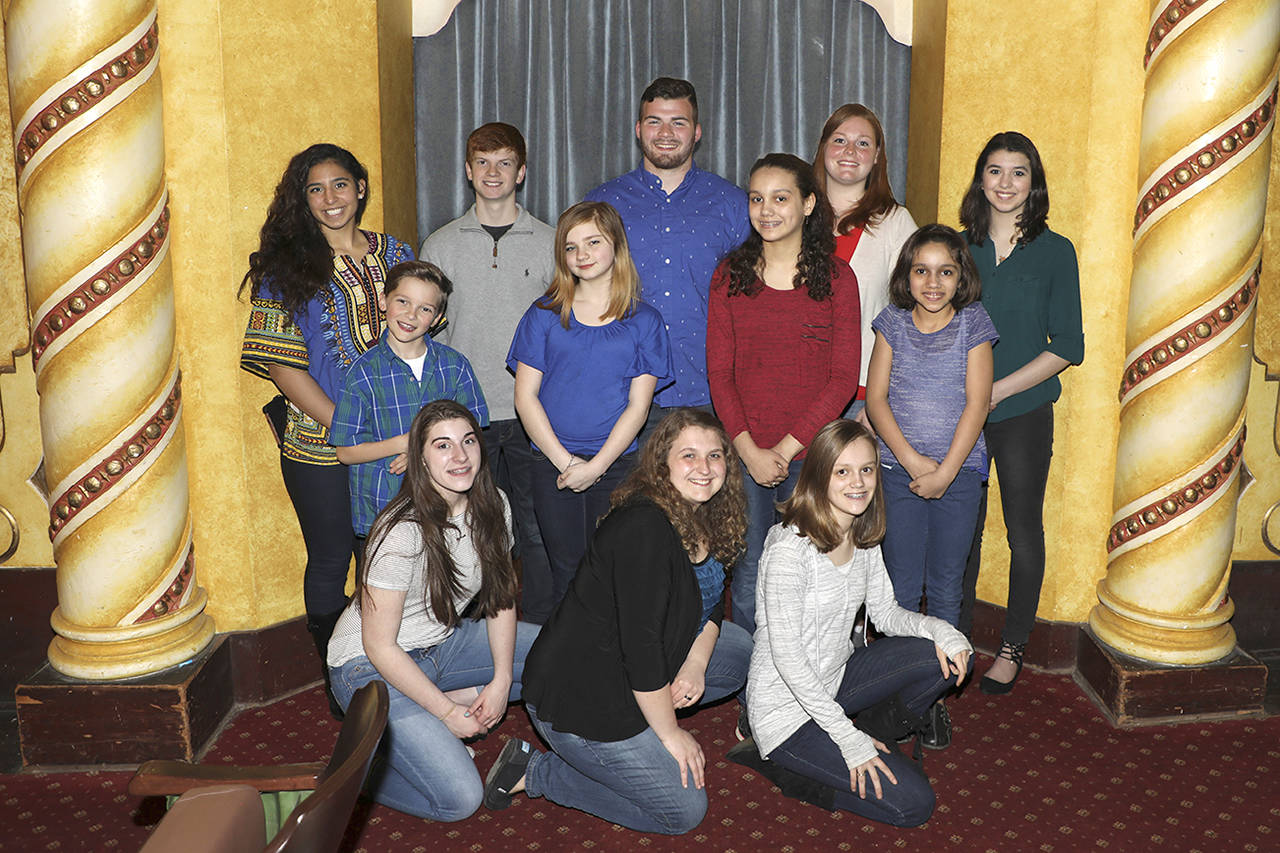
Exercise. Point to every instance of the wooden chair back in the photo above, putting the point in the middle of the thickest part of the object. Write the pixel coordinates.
(317, 824)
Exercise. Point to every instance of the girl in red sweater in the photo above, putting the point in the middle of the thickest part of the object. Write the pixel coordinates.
(783, 344)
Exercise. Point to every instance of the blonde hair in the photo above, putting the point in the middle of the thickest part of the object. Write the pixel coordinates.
(624, 289)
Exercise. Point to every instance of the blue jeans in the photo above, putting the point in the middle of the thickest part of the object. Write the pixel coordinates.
(511, 460)
(926, 541)
(904, 665)
(426, 771)
(634, 782)
(568, 520)
(727, 670)
(761, 515)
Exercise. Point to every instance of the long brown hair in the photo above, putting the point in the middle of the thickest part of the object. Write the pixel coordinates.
(815, 267)
(419, 503)
(624, 289)
(720, 523)
(975, 210)
(809, 509)
(877, 200)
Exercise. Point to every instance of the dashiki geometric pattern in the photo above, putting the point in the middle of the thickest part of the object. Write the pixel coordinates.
(344, 316)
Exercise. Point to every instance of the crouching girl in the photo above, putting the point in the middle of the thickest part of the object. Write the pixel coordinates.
(637, 638)
(442, 544)
(807, 678)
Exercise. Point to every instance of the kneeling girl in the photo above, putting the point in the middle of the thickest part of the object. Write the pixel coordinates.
(819, 566)
(443, 543)
(637, 638)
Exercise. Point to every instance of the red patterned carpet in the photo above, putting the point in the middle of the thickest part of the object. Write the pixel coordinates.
(1038, 770)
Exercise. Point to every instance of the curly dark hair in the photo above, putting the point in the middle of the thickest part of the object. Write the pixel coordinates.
(292, 252)
(419, 503)
(975, 210)
(815, 266)
(720, 523)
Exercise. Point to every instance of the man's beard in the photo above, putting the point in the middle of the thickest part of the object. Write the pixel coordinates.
(668, 159)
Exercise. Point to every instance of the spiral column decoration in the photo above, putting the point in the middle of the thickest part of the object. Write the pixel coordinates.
(1207, 122)
(89, 150)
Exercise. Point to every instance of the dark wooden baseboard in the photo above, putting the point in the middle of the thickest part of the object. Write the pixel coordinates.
(1136, 693)
(64, 721)
(1255, 590)
(172, 714)
(273, 662)
(29, 596)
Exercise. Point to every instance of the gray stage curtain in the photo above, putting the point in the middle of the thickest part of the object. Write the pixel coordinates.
(569, 74)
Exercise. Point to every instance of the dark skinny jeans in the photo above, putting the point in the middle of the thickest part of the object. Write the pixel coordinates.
(322, 501)
(1021, 448)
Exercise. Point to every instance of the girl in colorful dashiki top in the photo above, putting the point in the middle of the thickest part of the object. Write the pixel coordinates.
(314, 282)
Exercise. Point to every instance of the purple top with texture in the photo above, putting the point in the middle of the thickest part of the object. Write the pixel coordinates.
(926, 381)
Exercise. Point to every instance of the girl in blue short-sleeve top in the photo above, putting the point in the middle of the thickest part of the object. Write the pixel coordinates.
(587, 356)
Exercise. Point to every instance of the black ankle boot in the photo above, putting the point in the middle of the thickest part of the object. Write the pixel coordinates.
(890, 721)
(937, 729)
(321, 629)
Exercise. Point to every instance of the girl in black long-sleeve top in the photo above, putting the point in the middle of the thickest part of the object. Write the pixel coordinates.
(638, 637)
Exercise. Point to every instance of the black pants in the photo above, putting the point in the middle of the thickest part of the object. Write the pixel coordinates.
(907, 666)
(568, 520)
(511, 460)
(1021, 448)
(322, 501)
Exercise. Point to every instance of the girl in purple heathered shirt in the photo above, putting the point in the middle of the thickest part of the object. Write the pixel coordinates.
(928, 390)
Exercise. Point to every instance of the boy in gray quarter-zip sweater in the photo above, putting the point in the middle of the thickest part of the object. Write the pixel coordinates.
(500, 259)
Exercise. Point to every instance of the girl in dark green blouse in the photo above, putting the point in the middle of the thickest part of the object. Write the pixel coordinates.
(1031, 289)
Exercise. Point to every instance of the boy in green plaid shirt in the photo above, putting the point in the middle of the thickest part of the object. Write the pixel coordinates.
(395, 378)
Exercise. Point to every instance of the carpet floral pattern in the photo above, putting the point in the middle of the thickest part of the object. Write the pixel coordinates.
(1038, 770)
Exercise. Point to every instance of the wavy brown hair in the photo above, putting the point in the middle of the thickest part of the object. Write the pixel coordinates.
(815, 266)
(624, 288)
(877, 199)
(418, 502)
(975, 210)
(293, 256)
(809, 509)
(720, 523)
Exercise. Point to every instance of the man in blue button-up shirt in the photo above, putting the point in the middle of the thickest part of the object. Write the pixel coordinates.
(680, 222)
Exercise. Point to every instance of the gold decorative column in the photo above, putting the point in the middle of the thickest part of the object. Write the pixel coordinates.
(1207, 121)
(89, 149)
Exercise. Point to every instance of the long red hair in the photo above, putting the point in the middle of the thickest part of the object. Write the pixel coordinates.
(877, 200)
